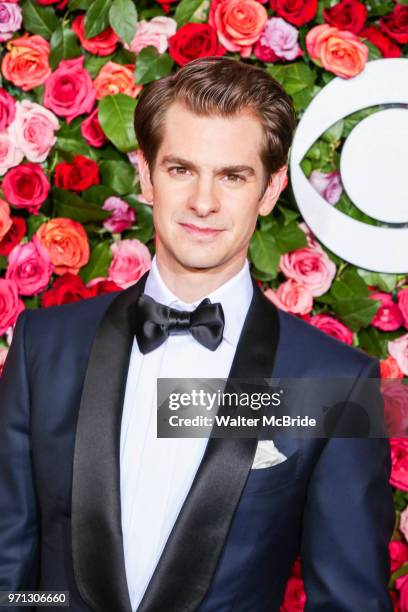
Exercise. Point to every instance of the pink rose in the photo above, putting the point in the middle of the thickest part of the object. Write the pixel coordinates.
(395, 396)
(69, 91)
(131, 259)
(338, 51)
(399, 459)
(328, 184)
(291, 296)
(11, 18)
(398, 349)
(10, 304)
(91, 130)
(7, 109)
(33, 130)
(155, 33)
(10, 154)
(402, 299)
(402, 586)
(389, 368)
(5, 219)
(403, 523)
(30, 267)
(238, 23)
(123, 215)
(333, 327)
(311, 267)
(3, 355)
(398, 554)
(280, 37)
(388, 317)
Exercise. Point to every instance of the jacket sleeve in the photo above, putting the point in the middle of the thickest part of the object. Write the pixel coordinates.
(19, 524)
(348, 520)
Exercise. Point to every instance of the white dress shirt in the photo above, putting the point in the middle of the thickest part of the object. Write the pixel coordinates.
(156, 473)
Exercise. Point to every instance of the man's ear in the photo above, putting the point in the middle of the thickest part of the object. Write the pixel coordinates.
(144, 175)
(276, 184)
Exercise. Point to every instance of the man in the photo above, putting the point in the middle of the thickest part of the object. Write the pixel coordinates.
(92, 501)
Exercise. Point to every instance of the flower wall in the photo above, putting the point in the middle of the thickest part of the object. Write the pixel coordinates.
(73, 223)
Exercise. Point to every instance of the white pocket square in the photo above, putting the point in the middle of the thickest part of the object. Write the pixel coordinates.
(267, 455)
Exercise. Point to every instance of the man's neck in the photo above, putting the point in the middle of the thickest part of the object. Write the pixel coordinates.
(192, 284)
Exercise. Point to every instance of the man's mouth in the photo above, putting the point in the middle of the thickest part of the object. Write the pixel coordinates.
(204, 231)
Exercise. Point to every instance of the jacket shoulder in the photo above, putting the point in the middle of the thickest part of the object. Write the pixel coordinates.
(321, 352)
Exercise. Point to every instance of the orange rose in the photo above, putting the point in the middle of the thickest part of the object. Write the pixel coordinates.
(338, 51)
(115, 78)
(66, 242)
(26, 63)
(239, 23)
(5, 219)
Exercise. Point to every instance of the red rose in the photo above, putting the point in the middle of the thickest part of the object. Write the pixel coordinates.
(91, 130)
(60, 4)
(166, 4)
(103, 286)
(78, 176)
(346, 15)
(297, 12)
(194, 40)
(26, 186)
(101, 44)
(13, 236)
(395, 24)
(381, 41)
(295, 596)
(66, 289)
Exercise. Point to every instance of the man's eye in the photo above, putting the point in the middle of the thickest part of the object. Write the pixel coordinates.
(234, 178)
(178, 170)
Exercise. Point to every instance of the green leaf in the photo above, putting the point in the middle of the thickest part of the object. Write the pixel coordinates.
(293, 77)
(3, 262)
(290, 237)
(93, 63)
(98, 194)
(70, 140)
(118, 175)
(64, 45)
(98, 263)
(334, 133)
(350, 286)
(116, 116)
(384, 282)
(288, 214)
(264, 252)
(97, 17)
(32, 302)
(33, 223)
(371, 341)
(70, 205)
(144, 223)
(82, 5)
(152, 65)
(185, 10)
(356, 312)
(373, 51)
(39, 19)
(123, 19)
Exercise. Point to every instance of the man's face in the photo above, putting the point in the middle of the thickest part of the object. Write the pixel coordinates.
(205, 189)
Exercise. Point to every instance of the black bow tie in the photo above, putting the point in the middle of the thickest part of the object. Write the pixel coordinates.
(154, 322)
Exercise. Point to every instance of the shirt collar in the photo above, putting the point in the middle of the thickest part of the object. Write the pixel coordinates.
(235, 296)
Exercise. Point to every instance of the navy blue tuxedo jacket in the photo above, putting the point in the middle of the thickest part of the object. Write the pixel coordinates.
(239, 530)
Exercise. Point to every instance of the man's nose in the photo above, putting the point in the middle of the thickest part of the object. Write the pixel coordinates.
(203, 198)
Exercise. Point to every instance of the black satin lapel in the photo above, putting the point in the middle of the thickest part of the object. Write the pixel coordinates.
(97, 547)
(183, 574)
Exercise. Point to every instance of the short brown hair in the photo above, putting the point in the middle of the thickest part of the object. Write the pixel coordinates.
(219, 86)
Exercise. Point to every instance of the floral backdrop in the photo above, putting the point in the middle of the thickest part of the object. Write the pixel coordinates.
(73, 223)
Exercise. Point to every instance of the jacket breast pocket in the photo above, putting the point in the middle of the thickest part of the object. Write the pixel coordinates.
(274, 477)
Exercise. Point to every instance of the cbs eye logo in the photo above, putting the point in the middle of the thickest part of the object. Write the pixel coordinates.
(373, 167)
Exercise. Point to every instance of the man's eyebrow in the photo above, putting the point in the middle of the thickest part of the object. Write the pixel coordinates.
(172, 159)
